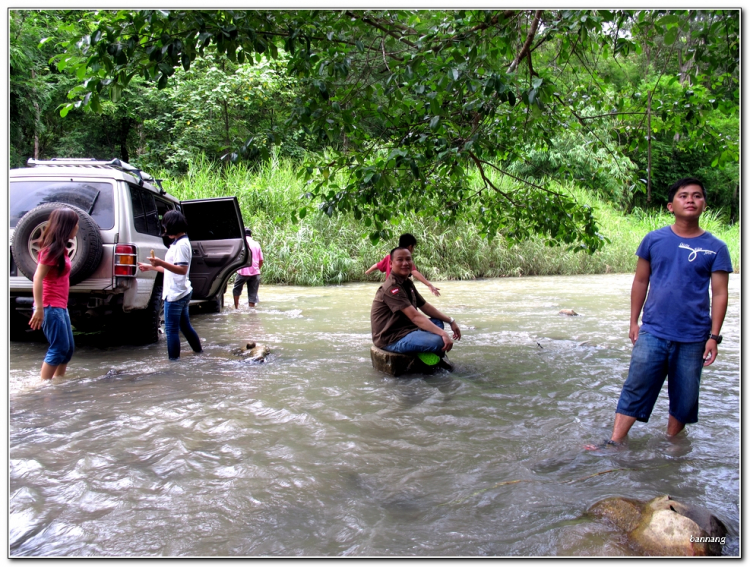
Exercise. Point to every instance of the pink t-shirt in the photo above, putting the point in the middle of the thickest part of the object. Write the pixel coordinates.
(56, 285)
(257, 253)
(385, 265)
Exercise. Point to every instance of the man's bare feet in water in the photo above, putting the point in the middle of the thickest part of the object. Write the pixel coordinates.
(606, 444)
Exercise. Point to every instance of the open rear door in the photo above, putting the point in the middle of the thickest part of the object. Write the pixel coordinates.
(216, 234)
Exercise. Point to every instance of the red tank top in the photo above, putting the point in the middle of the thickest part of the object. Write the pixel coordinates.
(56, 285)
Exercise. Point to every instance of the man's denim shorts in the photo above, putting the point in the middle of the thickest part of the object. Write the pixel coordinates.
(654, 359)
(420, 341)
(59, 332)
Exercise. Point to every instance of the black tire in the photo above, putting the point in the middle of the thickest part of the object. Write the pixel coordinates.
(213, 305)
(216, 303)
(142, 326)
(86, 246)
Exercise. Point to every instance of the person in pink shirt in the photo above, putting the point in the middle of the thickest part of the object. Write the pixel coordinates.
(408, 241)
(249, 274)
(51, 286)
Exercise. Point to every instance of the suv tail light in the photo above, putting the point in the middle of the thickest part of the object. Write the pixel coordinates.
(125, 264)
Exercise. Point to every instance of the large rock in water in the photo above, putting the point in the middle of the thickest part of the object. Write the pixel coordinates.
(253, 352)
(398, 364)
(664, 526)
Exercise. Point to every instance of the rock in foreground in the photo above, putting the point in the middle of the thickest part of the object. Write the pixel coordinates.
(663, 526)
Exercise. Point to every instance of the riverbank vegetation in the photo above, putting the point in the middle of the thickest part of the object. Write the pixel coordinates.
(320, 250)
(489, 134)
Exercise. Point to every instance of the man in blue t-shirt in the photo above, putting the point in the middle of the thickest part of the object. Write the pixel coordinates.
(681, 325)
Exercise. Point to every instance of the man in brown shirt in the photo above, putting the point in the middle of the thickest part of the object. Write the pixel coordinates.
(397, 326)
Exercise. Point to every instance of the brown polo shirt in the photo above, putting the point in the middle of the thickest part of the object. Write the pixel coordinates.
(389, 324)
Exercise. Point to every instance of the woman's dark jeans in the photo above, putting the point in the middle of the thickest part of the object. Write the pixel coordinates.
(176, 319)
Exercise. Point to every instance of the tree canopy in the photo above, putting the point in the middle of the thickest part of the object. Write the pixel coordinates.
(406, 106)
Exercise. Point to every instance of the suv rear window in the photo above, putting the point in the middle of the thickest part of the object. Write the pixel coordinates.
(97, 199)
(145, 213)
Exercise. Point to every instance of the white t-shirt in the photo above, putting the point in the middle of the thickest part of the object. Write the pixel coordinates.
(177, 286)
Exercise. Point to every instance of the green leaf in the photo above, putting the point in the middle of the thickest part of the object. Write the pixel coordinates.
(435, 123)
(115, 91)
(671, 36)
(95, 104)
(668, 20)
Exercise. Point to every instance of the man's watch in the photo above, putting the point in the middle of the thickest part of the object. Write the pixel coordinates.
(717, 338)
(451, 320)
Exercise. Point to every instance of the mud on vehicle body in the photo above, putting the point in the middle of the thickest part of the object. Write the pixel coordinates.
(119, 209)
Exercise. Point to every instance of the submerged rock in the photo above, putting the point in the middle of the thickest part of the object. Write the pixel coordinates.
(244, 351)
(259, 353)
(398, 364)
(253, 352)
(663, 526)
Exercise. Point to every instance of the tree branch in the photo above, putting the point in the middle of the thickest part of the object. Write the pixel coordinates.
(486, 179)
(590, 131)
(529, 38)
(373, 23)
(529, 183)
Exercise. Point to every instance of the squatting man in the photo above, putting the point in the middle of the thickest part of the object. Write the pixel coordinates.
(397, 325)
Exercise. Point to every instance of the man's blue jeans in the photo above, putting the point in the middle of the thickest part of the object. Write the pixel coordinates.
(176, 319)
(419, 341)
(654, 359)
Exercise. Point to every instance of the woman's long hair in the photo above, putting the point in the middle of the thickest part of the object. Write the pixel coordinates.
(56, 234)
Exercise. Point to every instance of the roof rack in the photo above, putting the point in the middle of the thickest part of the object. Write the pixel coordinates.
(139, 174)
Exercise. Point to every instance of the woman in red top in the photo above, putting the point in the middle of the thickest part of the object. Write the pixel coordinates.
(51, 286)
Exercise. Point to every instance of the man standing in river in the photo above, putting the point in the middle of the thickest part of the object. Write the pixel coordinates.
(397, 325)
(249, 275)
(681, 324)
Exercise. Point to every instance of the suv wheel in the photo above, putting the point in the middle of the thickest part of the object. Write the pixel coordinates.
(85, 250)
(142, 326)
(216, 303)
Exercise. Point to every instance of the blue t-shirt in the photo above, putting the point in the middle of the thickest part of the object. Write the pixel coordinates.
(678, 307)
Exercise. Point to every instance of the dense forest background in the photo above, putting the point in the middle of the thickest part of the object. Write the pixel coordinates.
(617, 104)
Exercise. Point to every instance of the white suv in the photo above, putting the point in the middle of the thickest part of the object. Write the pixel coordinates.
(119, 209)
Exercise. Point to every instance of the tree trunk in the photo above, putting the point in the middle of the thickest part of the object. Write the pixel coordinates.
(226, 126)
(141, 139)
(36, 120)
(648, 173)
(125, 125)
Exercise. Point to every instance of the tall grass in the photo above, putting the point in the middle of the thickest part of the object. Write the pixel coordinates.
(321, 250)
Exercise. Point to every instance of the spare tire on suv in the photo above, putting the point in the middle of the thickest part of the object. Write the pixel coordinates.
(85, 250)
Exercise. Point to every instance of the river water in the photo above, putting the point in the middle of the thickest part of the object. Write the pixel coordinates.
(314, 453)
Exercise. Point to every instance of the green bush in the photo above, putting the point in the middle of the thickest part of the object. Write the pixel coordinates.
(319, 250)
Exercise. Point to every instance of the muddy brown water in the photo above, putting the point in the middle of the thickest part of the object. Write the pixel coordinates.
(314, 453)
